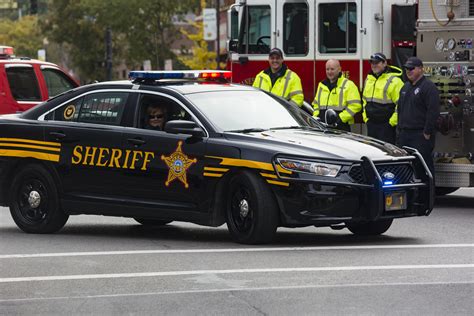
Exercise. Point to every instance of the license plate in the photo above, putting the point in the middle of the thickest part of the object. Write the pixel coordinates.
(395, 201)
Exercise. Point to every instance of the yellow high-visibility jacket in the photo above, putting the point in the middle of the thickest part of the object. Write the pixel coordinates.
(344, 99)
(287, 86)
(380, 96)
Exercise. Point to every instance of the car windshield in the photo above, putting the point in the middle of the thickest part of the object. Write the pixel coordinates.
(250, 111)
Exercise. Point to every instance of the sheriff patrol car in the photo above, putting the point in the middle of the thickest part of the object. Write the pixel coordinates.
(227, 154)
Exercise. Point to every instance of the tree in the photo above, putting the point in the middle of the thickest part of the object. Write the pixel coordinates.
(201, 57)
(23, 35)
(141, 30)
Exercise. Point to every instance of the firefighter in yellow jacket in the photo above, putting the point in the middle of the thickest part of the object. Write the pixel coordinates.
(380, 99)
(280, 80)
(337, 93)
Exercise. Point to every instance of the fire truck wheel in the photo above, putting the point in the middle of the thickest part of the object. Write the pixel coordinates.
(151, 222)
(370, 228)
(34, 201)
(251, 209)
(440, 191)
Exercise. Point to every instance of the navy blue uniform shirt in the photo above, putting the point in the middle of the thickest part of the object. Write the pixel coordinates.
(418, 106)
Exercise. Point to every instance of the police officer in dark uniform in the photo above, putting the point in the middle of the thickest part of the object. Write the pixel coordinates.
(418, 110)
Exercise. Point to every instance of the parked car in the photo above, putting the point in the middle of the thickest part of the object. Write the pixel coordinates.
(227, 154)
(26, 82)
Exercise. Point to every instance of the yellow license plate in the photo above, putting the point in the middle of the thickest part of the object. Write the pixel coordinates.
(395, 201)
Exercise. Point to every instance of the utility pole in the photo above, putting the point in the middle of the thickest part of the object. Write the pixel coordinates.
(218, 15)
(108, 53)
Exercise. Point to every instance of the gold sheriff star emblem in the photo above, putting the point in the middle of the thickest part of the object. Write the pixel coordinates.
(178, 163)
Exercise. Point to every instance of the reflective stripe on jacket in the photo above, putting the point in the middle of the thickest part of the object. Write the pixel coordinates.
(344, 98)
(287, 86)
(380, 97)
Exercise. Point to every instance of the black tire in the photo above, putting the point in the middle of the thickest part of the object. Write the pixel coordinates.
(34, 201)
(251, 210)
(151, 222)
(440, 191)
(370, 228)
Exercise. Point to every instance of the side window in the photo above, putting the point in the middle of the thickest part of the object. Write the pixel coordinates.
(337, 28)
(295, 28)
(67, 112)
(23, 83)
(256, 33)
(101, 108)
(57, 82)
(155, 111)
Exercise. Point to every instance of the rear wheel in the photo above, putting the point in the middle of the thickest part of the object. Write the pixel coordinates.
(151, 222)
(370, 228)
(251, 210)
(440, 191)
(34, 201)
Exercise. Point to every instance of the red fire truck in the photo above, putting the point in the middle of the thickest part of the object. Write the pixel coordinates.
(25, 82)
(310, 32)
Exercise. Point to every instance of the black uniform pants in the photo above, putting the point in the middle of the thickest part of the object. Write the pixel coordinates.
(415, 139)
(383, 131)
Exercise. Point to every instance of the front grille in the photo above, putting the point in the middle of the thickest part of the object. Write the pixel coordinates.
(403, 173)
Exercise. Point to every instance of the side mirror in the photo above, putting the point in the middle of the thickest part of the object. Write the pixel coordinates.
(330, 117)
(232, 45)
(184, 127)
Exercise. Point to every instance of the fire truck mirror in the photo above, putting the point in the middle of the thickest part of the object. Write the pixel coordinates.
(232, 45)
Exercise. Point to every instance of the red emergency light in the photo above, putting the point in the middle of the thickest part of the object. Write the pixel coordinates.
(6, 52)
(227, 75)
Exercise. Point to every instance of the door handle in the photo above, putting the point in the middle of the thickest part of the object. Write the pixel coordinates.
(136, 141)
(58, 135)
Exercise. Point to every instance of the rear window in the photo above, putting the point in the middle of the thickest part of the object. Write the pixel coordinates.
(23, 83)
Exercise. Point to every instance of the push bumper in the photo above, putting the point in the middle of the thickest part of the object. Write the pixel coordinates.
(326, 202)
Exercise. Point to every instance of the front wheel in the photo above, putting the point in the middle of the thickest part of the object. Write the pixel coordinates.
(370, 228)
(251, 210)
(34, 201)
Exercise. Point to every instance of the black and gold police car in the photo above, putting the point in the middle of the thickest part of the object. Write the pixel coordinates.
(223, 153)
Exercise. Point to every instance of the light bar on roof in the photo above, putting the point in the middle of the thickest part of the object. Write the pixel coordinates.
(177, 74)
(6, 50)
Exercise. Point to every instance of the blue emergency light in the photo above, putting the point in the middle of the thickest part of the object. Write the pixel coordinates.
(180, 74)
(387, 182)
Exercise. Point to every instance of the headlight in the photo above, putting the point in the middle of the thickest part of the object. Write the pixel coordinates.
(317, 168)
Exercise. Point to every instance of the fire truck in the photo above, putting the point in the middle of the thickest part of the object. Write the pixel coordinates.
(440, 32)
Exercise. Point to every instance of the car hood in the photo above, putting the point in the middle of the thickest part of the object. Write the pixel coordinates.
(330, 143)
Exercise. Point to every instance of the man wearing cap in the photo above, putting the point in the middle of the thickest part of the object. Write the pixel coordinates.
(337, 93)
(418, 110)
(380, 96)
(280, 80)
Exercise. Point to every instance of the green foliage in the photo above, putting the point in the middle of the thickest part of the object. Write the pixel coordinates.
(23, 35)
(141, 30)
(201, 57)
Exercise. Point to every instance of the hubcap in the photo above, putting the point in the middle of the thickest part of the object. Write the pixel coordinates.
(34, 199)
(244, 208)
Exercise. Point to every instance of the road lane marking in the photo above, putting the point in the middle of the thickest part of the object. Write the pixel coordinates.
(230, 271)
(239, 289)
(229, 250)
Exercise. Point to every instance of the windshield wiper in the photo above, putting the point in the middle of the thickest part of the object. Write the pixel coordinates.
(306, 128)
(248, 130)
(287, 127)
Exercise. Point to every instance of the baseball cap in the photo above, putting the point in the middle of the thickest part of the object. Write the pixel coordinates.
(378, 57)
(276, 51)
(413, 62)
